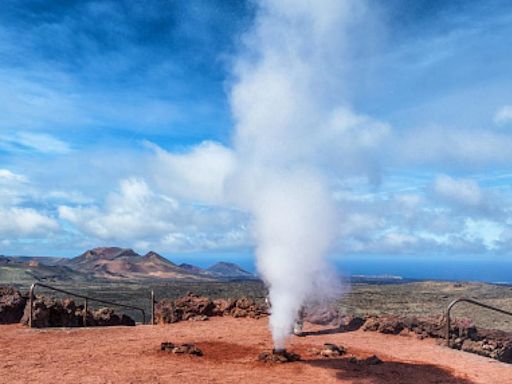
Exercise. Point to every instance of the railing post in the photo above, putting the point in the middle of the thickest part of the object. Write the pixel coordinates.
(448, 326)
(471, 301)
(31, 304)
(152, 307)
(85, 313)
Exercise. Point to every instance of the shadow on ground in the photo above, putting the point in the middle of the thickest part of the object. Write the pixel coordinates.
(388, 373)
(329, 331)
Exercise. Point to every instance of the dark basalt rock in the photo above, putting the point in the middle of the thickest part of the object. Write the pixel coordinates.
(12, 305)
(279, 357)
(464, 335)
(183, 349)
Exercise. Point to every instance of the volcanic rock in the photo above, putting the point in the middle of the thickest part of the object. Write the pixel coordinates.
(332, 350)
(463, 334)
(371, 360)
(48, 312)
(223, 306)
(12, 304)
(278, 357)
(189, 349)
(193, 305)
(322, 315)
(351, 323)
(245, 307)
(165, 312)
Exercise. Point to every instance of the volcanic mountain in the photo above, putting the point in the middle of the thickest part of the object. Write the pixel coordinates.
(229, 270)
(121, 263)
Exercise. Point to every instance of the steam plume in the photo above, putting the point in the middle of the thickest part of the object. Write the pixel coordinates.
(285, 102)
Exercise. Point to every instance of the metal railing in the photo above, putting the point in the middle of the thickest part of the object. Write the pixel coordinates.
(86, 298)
(471, 301)
(153, 302)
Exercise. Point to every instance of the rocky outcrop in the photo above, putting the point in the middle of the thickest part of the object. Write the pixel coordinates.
(351, 323)
(322, 315)
(464, 335)
(246, 307)
(191, 305)
(106, 317)
(12, 304)
(48, 312)
(194, 307)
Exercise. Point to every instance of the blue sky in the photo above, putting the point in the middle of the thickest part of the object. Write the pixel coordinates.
(108, 106)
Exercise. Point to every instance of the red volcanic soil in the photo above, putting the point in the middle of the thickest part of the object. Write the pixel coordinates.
(231, 347)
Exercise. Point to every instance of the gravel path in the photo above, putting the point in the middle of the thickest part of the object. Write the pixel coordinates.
(230, 346)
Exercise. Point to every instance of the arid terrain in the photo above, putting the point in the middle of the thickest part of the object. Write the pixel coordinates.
(231, 347)
(230, 344)
(409, 299)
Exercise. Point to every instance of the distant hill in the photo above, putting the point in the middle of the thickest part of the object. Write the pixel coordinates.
(121, 263)
(229, 270)
(194, 269)
(111, 263)
(25, 270)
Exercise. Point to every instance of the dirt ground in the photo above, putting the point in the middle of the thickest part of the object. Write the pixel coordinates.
(230, 346)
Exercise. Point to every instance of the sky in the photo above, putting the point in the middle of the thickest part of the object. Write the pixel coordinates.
(118, 126)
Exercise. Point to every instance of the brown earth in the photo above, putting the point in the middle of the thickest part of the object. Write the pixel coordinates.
(231, 347)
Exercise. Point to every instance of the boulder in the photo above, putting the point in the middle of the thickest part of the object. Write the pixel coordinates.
(223, 306)
(165, 312)
(49, 312)
(192, 305)
(351, 323)
(12, 305)
(246, 307)
(322, 315)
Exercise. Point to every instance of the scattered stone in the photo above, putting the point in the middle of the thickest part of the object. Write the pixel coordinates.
(371, 360)
(279, 357)
(166, 346)
(12, 305)
(183, 349)
(332, 350)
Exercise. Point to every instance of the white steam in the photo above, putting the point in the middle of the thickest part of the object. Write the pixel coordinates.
(295, 136)
(290, 125)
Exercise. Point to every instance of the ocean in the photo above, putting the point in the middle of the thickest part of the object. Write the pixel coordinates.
(490, 270)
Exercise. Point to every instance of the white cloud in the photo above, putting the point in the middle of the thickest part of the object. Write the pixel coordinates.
(40, 142)
(461, 191)
(8, 176)
(449, 147)
(503, 115)
(17, 222)
(198, 174)
(136, 215)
